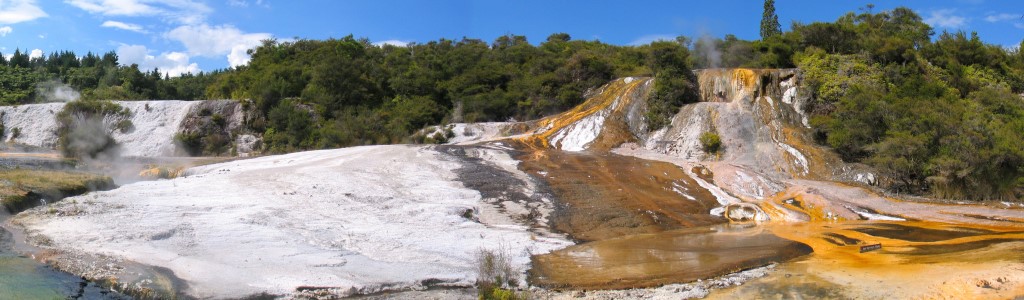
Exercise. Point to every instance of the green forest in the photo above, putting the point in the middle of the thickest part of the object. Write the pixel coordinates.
(939, 113)
(31, 80)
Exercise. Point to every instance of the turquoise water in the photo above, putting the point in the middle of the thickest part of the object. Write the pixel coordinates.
(24, 278)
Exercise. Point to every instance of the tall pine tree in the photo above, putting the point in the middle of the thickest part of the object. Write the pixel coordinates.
(770, 21)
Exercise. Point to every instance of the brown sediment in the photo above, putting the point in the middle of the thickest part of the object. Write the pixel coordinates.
(839, 239)
(702, 172)
(601, 196)
(923, 240)
(839, 199)
(918, 234)
(995, 218)
(954, 248)
(646, 260)
(821, 163)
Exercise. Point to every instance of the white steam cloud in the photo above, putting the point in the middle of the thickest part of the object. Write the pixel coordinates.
(56, 91)
(706, 48)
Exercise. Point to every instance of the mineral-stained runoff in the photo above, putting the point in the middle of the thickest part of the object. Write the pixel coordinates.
(917, 260)
(770, 164)
(603, 196)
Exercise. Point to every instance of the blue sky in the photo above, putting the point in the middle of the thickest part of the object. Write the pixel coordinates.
(204, 35)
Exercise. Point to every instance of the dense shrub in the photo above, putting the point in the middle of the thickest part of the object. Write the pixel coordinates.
(710, 142)
(85, 127)
(942, 118)
(675, 83)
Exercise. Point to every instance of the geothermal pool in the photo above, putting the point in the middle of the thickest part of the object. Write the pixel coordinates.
(589, 203)
(24, 278)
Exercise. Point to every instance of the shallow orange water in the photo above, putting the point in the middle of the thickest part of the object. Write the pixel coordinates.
(645, 260)
(917, 260)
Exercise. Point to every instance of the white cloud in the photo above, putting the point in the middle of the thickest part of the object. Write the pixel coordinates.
(239, 55)
(171, 63)
(213, 41)
(129, 8)
(182, 11)
(35, 53)
(124, 26)
(4, 31)
(17, 11)
(945, 18)
(244, 3)
(647, 39)
(397, 43)
(1003, 17)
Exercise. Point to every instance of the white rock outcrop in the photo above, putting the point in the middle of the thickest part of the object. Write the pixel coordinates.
(361, 220)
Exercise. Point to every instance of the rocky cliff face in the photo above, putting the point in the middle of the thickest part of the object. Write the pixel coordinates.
(758, 115)
(611, 117)
(155, 125)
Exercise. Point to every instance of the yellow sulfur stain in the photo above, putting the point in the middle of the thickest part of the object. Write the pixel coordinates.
(618, 90)
(160, 172)
(917, 260)
(794, 205)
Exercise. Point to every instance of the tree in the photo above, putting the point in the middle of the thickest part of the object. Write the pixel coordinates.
(674, 84)
(109, 59)
(770, 21)
(831, 37)
(20, 59)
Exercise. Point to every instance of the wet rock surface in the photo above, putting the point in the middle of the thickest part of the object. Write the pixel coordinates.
(502, 188)
(6, 241)
(603, 195)
(692, 290)
(647, 260)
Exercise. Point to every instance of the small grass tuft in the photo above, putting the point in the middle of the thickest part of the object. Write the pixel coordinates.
(496, 277)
